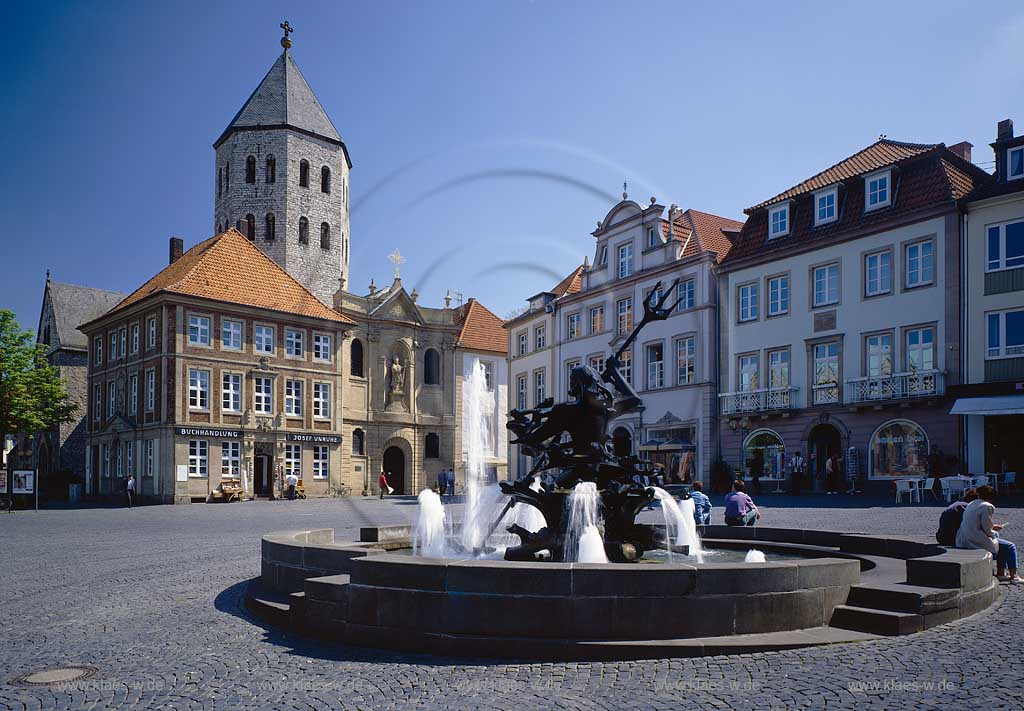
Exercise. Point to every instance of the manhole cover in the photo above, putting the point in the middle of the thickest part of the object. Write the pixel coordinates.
(60, 675)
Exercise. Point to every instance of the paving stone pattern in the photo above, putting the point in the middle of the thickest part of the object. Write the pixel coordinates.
(153, 599)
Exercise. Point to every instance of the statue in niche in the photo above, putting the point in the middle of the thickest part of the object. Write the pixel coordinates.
(395, 373)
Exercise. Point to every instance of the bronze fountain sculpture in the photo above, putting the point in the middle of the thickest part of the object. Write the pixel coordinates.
(570, 444)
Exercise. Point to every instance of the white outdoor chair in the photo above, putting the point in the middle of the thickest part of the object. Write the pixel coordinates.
(928, 487)
(947, 490)
(1010, 479)
(906, 487)
(981, 480)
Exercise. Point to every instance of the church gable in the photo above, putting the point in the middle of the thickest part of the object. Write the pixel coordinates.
(398, 307)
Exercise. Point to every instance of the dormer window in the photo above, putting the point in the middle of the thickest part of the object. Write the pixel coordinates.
(825, 206)
(602, 256)
(877, 190)
(653, 238)
(625, 260)
(1015, 163)
(778, 221)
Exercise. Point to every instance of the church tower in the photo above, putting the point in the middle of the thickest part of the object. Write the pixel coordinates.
(282, 179)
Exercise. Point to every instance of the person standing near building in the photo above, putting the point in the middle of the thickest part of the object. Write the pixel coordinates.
(129, 489)
(292, 482)
(382, 484)
(442, 483)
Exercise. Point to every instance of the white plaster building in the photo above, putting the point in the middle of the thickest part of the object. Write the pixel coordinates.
(992, 400)
(672, 365)
(842, 327)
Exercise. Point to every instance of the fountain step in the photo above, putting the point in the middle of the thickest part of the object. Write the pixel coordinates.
(882, 622)
(268, 606)
(901, 597)
(600, 650)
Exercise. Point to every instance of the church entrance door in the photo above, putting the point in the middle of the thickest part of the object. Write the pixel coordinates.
(261, 481)
(394, 466)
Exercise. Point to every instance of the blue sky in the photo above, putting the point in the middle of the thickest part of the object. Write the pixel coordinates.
(488, 135)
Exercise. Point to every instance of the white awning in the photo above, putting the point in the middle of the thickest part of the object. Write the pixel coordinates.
(999, 405)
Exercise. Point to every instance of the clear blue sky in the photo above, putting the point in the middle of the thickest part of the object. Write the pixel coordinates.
(493, 134)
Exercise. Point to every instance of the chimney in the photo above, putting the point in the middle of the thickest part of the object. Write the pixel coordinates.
(177, 247)
(963, 149)
(1004, 130)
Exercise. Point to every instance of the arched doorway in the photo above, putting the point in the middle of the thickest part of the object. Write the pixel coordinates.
(394, 466)
(764, 451)
(622, 442)
(823, 442)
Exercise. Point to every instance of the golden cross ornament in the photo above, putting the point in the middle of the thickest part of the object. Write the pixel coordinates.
(397, 259)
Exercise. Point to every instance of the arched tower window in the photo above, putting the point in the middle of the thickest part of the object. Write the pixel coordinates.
(432, 367)
(220, 181)
(433, 448)
(325, 179)
(270, 233)
(227, 177)
(250, 170)
(356, 358)
(271, 176)
(250, 226)
(303, 230)
(304, 174)
(325, 236)
(358, 441)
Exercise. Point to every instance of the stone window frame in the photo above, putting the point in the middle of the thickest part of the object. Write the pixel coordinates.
(189, 315)
(676, 341)
(832, 190)
(297, 402)
(756, 354)
(619, 330)
(867, 254)
(809, 344)
(540, 386)
(97, 407)
(618, 259)
(330, 346)
(540, 337)
(683, 303)
(591, 311)
(787, 275)
(133, 394)
(768, 352)
(783, 208)
(568, 325)
(647, 346)
(567, 366)
(523, 342)
(150, 401)
(256, 395)
(1001, 236)
(97, 351)
(905, 331)
(135, 344)
(811, 269)
(198, 389)
(522, 393)
(224, 391)
(230, 459)
(112, 352)
(887, 174)
(905, 246)
(241, 334)
(111, 399)
(151, 332)
(255, 338)
(292, 459)
(740, 286)
(198, 459)
(288, 331)
(326, 402)
(321, 462)
(894, 354)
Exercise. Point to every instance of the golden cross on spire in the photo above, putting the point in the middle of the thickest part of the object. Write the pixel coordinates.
(288, 29)
(397, 259)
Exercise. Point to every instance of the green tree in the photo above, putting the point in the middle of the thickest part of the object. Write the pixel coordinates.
(32, 395)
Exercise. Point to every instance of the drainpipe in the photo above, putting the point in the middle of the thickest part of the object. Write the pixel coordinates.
(964, 313)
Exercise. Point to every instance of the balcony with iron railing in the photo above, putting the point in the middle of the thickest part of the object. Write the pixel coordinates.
(762, 400)
(896, 386)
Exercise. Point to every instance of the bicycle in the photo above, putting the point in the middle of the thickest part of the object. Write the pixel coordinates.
(6, 504)
(342, 490)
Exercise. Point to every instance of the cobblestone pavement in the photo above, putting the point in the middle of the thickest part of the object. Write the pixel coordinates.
(152, 599)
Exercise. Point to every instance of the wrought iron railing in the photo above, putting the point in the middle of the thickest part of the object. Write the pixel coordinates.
(898, 386)
(757, 400)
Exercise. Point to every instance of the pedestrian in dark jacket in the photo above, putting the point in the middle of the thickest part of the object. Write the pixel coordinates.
(951, 518)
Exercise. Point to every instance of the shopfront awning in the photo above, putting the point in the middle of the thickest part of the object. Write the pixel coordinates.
(675, 445)
(998, 405)
(650, 445)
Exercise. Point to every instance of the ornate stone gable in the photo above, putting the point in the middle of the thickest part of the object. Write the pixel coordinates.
(398, 307)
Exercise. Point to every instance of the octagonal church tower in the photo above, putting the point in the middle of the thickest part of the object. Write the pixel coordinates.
(282, 179)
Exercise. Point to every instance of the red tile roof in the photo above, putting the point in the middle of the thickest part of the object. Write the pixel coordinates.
(480, 329)
(878, 155)
(922, 180)
(571, 284)
(712, 232)
(228, 267)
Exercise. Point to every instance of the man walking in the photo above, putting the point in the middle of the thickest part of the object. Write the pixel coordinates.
(442, 483)
(292, 482)
(382, 484)
(129, 489)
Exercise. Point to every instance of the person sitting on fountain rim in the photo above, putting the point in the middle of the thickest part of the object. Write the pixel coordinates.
(739, 508)
(701, 505)
(951, 518)
(977, 531)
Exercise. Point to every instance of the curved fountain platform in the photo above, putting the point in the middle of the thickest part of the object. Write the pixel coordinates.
(844, 587)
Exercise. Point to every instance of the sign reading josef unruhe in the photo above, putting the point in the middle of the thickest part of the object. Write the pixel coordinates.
(207, 432)
(314, 438)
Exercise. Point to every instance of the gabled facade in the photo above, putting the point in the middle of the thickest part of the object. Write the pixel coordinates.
(992, 399)
(842, 331)
(672, 365)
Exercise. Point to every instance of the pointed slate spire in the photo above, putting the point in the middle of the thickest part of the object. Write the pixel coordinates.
(283, 98)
